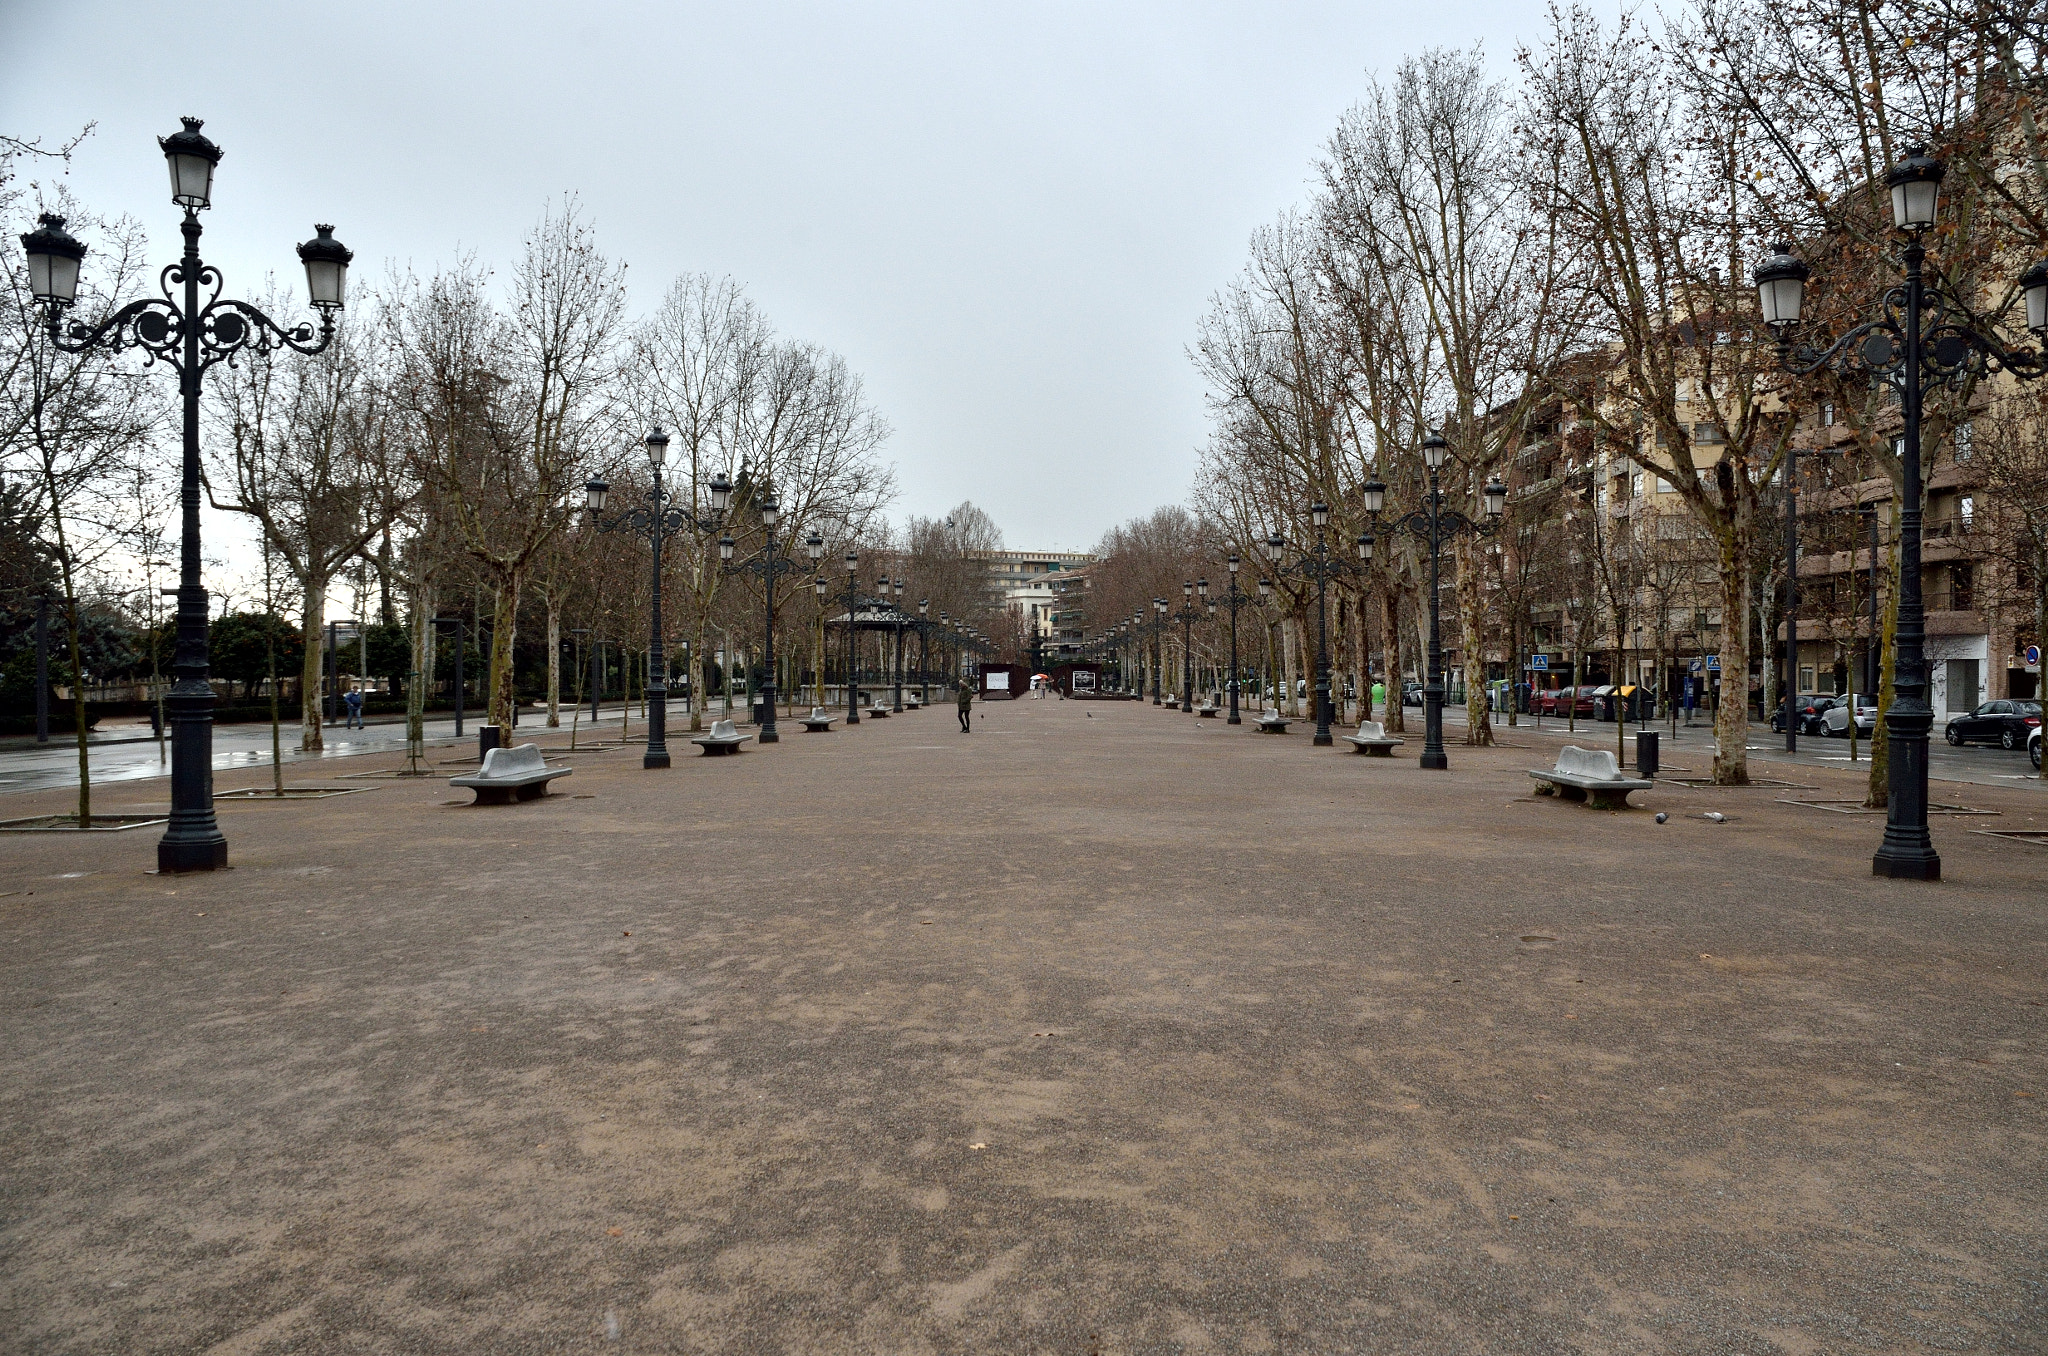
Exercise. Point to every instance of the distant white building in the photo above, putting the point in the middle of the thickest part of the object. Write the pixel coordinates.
(1024, 581)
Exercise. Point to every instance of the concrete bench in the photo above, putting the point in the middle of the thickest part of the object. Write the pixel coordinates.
(878, 712)
(724, 738)
(819, 721)
(1372, 738)
(911, 703)
(509, 774)
(1588, 775)
(1207, 710)
(1274, 723)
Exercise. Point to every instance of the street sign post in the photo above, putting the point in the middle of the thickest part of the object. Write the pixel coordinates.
(1540, 663)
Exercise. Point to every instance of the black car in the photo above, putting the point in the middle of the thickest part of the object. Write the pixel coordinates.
(2002, 722)
(1812, 705)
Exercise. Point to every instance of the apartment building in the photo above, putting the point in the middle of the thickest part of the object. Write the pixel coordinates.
(1029, 583)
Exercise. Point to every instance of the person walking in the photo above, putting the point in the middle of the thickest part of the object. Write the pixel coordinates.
(354, 702)
(966, 704)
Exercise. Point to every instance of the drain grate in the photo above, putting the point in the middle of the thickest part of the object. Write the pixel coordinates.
(257, 794)
(69, 823)
(2038, 837)
(1857, 807)
(1754, 784)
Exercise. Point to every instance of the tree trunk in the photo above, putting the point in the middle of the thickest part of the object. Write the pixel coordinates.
(1878, 795)
(504, 629)
(312, 617)
(554, 662)
(1472, 616)
(1731, 722)
(1390, 655)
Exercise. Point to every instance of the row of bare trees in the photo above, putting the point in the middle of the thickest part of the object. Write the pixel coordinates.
(1565, 256)
(442, 444)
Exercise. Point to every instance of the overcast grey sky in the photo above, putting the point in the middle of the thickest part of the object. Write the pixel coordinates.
(1008, 219)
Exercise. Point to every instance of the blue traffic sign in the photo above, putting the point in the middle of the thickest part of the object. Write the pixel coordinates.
(1713, 663)
(2033, 654)
(1541, 662)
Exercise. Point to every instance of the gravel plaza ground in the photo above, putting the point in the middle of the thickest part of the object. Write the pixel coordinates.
(1101, 1030)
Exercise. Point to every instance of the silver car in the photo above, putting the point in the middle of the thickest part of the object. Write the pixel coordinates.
(1835, 720)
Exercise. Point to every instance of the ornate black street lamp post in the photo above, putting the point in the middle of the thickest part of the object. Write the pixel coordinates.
(1158, 646)
(188, 335)
(924, 652)
(1923, 336)
(892, 593)
(1233, 600)
(1320, 563)
(1433, 522)
(770, 563)
(654, 523)
(853, 601)
(1187, 617)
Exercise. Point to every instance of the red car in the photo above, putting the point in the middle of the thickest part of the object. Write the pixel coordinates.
(1564, 701)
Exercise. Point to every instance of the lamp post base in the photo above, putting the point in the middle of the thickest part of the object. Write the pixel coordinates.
(1434, 760)
(191, 854)
(1910, 864)
(654, 758)
(1907, 861)
(768, 737)
(1322, 741)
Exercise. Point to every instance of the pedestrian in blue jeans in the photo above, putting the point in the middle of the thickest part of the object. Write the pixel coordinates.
(354, 702)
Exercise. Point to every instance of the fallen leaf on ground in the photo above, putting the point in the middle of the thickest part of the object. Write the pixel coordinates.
(616, 1233)
(977, 1146)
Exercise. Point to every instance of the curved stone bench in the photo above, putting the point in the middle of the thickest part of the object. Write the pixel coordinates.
(1274, 724)
(723, 738)
(878, 712)
(819, 721)
(1589, 775)
(1372, 738)
(509, 774)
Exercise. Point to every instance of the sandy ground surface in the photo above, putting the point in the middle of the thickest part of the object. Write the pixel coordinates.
(1101, 1030)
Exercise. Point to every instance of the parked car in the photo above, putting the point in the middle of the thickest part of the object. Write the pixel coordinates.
(2009, 724)
(1564, 701)
(1835, 720)
(1411, 694)
(1812, 706)
(2034, 749)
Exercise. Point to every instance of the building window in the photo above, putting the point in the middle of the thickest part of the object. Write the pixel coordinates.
(1962, 587)
(1708, 434)
(1827, 414)
(1969, 511)
(1664, 486)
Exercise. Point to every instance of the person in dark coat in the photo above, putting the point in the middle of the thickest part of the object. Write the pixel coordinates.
(966, 704)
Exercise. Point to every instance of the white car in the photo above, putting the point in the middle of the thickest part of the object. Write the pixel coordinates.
(1835, 720)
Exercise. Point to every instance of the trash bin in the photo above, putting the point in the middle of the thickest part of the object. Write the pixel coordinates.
(488, 737)
(1646, 753)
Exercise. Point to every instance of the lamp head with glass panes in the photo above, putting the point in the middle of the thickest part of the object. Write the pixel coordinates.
(1781, 286)
(1434, 450)
(54, 260)
(191, 158)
